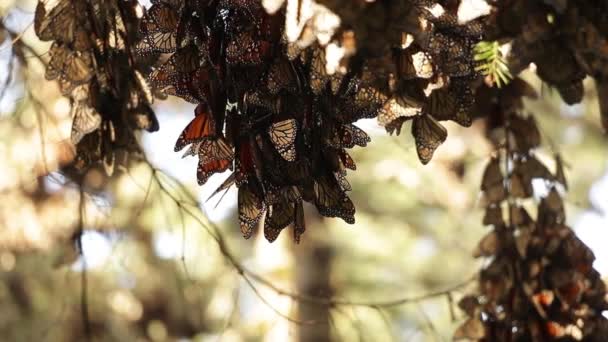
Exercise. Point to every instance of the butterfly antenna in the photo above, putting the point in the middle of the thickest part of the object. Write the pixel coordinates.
(224, 194)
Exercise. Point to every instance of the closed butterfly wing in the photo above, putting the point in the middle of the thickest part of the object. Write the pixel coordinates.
(283, 136)
(441, 104)
(159, 29)
(343, 182)
(331, 201)
(347, 136)
(525, 131)
(73, 66)
(492, 183)
(208, 169)
(279, 216)
(299, 225)
(251, 209)
(347, 160)
(281, 76)
(428, 134)
(59, 22)
(200, 128)
(85, 120)
(215, 149)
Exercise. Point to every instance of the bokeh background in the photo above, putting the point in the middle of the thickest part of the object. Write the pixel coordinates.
(151, 269)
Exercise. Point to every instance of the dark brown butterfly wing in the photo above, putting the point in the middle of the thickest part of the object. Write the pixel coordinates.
(429, 134)
(279, 216)
(251, 209)
(347, 136)
(492, 183)
(331, 201)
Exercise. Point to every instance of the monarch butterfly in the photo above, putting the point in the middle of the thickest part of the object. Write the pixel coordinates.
(533, 168)
(347, 160)
(85, 120)
(493, 216)
(201, 127)
(159, 29)
(251, 209)
(207, 169)
(281, 76)
(551, 209)
(279, 216)
(184, 61)
(525, 132)
(62, 23)
(441, 104)
(276, 194)
(368, 102)
(331, 201)
(215, 149)
(395, 113)
(283, 136)
(414, 64)
(428, 134)
(520, 186)
(74, 67)
(342, 181)
(492, 184)
(347, 136)
(246, 50)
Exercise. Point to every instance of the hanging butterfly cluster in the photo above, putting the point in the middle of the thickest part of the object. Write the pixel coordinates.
(90, 59)
(269, 110)
(539, 283)
(566, 40)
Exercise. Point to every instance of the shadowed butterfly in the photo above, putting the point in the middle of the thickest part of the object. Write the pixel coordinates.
(61, 22)
(428, 134)
(279, 216)
(251, 209)
(331, 201)
(347, 136)
(74, 67)
(492, 182)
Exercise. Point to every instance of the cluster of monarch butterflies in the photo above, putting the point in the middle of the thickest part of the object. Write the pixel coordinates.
(269, 110)
(566, 40)
(539, 283)
(91, 61)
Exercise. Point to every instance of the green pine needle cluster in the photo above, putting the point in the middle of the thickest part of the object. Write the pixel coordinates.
(492, 62)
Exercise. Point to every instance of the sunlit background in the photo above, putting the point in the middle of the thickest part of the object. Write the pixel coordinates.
(153, 272)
